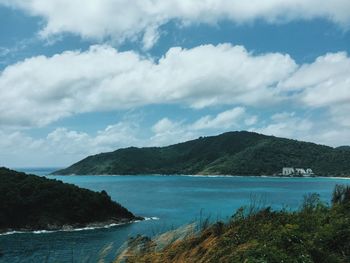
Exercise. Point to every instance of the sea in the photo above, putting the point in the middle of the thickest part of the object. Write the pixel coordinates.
(167, 202)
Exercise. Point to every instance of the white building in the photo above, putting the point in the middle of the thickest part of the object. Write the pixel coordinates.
(287, 171)
(309, 171)
(300, 171)
(291, 171)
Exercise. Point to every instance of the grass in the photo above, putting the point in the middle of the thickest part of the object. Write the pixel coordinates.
(317, 232)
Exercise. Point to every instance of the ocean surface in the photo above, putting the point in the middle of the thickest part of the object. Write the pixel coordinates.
(171, 201)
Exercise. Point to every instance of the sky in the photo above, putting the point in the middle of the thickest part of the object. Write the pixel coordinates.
(80, 77)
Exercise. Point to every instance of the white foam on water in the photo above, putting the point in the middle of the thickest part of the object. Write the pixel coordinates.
(77, 229)
(11, 233)
(151, 218)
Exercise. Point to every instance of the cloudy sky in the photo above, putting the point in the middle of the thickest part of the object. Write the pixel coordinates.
(79, 77)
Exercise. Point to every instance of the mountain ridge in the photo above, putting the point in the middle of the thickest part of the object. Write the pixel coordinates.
(230, 153)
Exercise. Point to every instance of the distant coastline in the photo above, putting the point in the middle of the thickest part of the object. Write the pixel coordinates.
(201, 175)
(232, 153)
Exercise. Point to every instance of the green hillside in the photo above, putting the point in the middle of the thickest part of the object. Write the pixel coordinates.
(30, 202)
(232, 153)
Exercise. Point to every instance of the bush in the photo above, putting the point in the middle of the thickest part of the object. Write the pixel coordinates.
(316, 233)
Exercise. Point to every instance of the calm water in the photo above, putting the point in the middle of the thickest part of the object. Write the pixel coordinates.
(175, 200)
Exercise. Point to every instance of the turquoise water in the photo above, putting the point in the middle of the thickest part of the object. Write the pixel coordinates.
(175, 200)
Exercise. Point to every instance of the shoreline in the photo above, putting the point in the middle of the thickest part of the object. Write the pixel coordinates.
(70, 228)
(202, 175)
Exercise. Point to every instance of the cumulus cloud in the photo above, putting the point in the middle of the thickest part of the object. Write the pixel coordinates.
(41, 90)
(326, 131)
(63, 146)
(251, 120)
(324, 83)
(165, 125)
(340, 114)
(288, 125)
(122, 134)
(224, 120)
(140, 19)
(167, 131)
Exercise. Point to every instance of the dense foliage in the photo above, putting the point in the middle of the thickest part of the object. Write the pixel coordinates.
(234, 153)
(316, 233)
(31, 202)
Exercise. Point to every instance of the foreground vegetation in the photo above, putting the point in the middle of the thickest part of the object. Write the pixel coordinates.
(316, 233)
(232, 153)
(29, 202)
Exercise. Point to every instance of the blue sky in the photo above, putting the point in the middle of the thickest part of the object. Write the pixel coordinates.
(83, 77)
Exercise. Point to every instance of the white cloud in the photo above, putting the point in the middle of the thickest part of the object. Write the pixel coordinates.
(282, 116)
(4, 51)
(321, 130)
(63, 146)
(41, 90)
(251, 120)
(287, 125)
(324, 83)
(332, 136)
(122, 134)
(168, 132)
(12, 140)
(341, 114)
(17, 148)
(223, 120)
(150, 37)
(164, 125)
(122, 19)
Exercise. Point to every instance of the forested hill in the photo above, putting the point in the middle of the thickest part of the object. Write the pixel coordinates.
(30, 202)
(232, 153)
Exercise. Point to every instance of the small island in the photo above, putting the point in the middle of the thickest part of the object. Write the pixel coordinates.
(30, 202)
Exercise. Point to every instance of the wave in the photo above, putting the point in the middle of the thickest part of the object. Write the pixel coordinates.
(151, 218)
(77, 229)
(343, 178)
